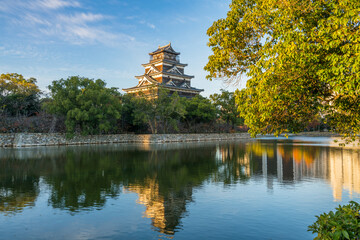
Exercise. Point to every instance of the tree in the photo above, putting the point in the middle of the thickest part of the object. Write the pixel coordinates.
(302, 59)
(18, 96)
(198, 110)
(86, 103)
(228, 109)
(163, 111)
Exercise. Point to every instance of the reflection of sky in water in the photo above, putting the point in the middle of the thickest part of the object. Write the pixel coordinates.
(242, 190)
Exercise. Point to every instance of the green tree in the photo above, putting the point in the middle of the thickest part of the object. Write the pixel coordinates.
(228, 109)
(86, 103)
(198, 110)
(302, 60)
(127, 109)
(18, 96)
(162, 111)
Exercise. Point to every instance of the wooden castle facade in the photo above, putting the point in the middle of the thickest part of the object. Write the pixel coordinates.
(164, 70)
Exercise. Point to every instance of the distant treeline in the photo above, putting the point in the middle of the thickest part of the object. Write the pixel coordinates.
(86, 106)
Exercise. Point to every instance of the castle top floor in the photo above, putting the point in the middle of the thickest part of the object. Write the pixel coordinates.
(164, 53)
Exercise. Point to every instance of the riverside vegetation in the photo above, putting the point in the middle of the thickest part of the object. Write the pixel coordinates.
(86, 106)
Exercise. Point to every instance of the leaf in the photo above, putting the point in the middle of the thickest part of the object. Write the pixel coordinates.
(337, 235)
(345, 234)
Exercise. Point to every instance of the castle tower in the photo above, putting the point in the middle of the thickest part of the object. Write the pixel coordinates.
(164, 70)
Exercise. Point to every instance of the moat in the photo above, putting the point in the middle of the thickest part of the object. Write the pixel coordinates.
(261, 189)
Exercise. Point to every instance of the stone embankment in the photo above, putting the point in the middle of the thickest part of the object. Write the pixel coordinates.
(52, 139)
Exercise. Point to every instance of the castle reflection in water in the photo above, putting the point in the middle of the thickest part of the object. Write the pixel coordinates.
(288, 163)
(164, 176)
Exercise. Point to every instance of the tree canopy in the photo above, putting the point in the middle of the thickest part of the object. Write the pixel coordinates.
(301, 58)
(87, 104)
(18, 96)
(227, 107)
(163, 112)
(198, 110)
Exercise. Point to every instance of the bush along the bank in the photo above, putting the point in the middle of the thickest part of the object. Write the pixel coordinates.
(344, 223)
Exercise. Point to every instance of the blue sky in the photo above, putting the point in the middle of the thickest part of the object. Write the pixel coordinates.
(107, 39)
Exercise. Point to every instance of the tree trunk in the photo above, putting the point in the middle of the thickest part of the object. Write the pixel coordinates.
(156, 125)
(151, 127)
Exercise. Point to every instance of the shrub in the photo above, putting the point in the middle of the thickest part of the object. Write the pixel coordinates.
(343, 224)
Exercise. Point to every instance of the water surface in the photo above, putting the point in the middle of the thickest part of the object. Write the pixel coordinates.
(267, 189)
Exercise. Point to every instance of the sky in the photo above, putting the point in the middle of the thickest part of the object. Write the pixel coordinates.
(106, 39)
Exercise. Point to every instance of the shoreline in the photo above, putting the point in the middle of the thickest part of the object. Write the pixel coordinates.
(21, 140)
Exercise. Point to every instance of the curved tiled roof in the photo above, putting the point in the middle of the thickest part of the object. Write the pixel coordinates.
(166, 48)
(183, 88)
(171, 74)
(164, 60)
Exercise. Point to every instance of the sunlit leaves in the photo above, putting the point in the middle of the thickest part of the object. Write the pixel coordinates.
(302, 59)
(13, 83)
(18, 96)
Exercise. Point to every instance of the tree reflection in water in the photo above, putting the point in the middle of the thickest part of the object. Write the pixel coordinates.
(18, 185)
(163, 176)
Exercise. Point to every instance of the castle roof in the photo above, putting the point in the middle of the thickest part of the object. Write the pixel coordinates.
(170, 84)
(166, 73)
(166, 48)
(164, 61)
(192, 89)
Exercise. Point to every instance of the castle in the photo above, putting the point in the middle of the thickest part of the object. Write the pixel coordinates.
(164, 70)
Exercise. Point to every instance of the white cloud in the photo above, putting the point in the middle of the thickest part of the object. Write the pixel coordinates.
(185, 19)
(77, 31)
(55, 4)
(150, 25)
(44, 18)
(20, 51)
(36, 5)
(81, 18)
(35, 19)
(89, 34)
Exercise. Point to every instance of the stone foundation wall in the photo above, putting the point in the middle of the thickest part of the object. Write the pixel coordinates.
(52, 139)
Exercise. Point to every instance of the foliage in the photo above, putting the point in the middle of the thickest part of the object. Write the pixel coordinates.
(163, 111)
(87, 106)
(302, 59)
(86, 103)
(18, 96)
(126, 122)
(343, 224)
(225, 103)
(198, 110)
(13, 83)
